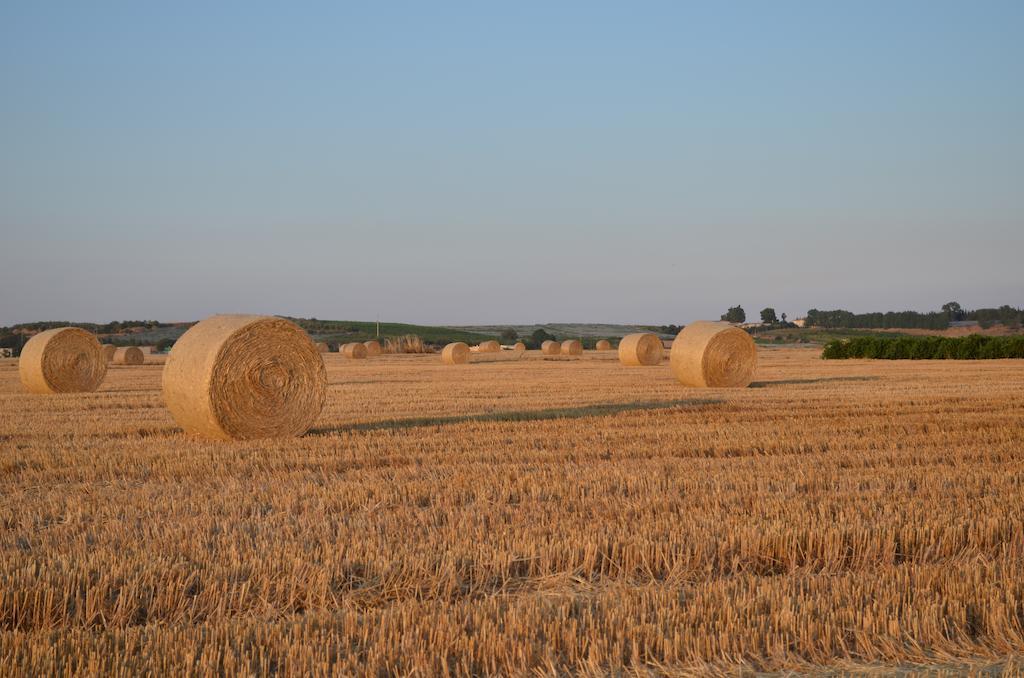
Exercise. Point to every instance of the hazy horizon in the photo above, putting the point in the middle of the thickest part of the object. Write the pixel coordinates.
(466, 164)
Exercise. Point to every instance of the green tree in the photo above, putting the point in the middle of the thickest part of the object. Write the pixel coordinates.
(768, 316)
(509, 334)
(735, 314)
(954, 310)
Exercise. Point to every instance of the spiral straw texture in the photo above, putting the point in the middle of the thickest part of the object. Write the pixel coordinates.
(456, 353)
(643, 348)
(355, 350)
(108, 351)
(244, 377)
(62, 360)
(572, 347)
(489, 347)
(714, 354)
(603, 345)
(129, 355)
(550, 347)
(372, 348)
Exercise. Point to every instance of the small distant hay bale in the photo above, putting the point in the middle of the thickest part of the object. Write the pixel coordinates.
(354, 350)
(641, 349)
(572, 347)
(245, 377)
(550, 347)
(519, 347)
(108, 351)
(62, 360)
(129, 355)
(323, 347)
(372, 347)
(603, 345)
(489, 347)
(714, 354)
(455, 353)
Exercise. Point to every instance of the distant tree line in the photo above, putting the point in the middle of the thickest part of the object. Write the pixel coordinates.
(932, 320)
(974, 347)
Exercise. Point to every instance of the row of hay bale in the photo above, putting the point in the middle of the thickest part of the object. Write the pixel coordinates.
(355, 350)
(244, 377)
(704, 354)
(69, 360)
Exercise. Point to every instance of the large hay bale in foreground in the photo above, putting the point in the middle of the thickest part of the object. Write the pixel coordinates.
(713, 354)
(489, 347)
(244, 377)
(355, 350)
(323, 347)
(550, 347)
(129, 355)
(603, 345)
(62, 360)
(372, 348)
(108, 351)
(643, 348)
(456, 353)
(572, 347)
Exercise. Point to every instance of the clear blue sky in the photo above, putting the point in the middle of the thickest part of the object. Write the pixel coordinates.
(508, 162)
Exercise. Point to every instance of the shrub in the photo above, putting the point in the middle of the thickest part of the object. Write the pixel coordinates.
(973, 347)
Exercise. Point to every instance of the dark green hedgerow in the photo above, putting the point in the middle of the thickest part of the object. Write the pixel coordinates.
(973, 347)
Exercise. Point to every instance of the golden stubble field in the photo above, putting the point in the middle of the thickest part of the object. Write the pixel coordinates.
(537, 516)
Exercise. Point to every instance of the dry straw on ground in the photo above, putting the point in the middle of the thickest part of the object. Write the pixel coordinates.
(538, 518)
(245, 376)
(489, 347)
(129, 355)
(558, 528)
(643, 348)
(713, 354)
(410, 343)
(603, 345)
(456, 353)
(108, 351)
(572, 347)
(372, 348)
(354, 350)
(550, 347)
(62, 360)
(323, 347)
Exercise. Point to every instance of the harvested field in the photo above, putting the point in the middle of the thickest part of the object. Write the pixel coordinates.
(535, 516)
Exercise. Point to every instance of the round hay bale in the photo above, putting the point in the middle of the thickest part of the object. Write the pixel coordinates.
(245, 377)
(550, 347)
(572, 347)
(519, 347)
(62, 360)
(129, 355)
(456, 353)
(643, 348)
(355, 350)
(323, 347)
(489, 347)
(372, 348)
(713, 354)
(603, 345)
(108, 351)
